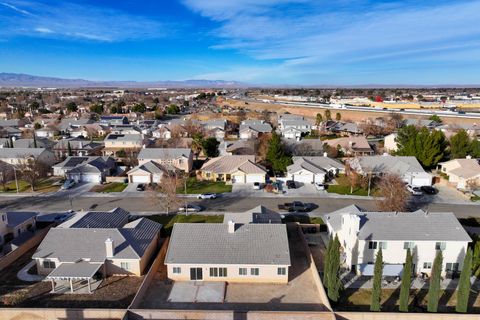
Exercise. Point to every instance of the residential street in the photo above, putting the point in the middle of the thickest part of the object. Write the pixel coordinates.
(234, 203)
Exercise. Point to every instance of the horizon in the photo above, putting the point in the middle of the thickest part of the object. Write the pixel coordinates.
(264, 43)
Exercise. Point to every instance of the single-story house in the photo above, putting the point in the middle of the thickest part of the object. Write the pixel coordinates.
(352, 146)
(21, 155)
(97, 243)
(230, 252)
(464, 173)
(78, 147)
(314, 169)
(251, 129)
(233, 169)
(408, 168)
(14, 224)
(147, 172)
(86, 169)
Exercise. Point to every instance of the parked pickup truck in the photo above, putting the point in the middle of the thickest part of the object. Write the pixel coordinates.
(297, 206)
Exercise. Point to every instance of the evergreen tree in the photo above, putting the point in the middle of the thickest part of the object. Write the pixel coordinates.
(10, 142)
(377, 282)
(334, 271)
(318, 119)
(338, 116)
(276, 155)
(69, 149)
(460, 145)
(463, 292)
(328, 115)
(326, 263)
(34, 140)
(406, 279)
(434, 289)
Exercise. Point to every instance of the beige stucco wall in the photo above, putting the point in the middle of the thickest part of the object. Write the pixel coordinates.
(267, 273)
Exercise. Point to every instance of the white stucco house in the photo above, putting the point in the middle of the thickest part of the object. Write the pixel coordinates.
(408, 168)
(314, 169)
(390, 143)
(230, 252)
(362, 234)
(463, 173)
(237, 169)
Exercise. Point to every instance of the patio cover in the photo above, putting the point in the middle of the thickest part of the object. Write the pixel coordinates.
(389, 270)
(79, 270)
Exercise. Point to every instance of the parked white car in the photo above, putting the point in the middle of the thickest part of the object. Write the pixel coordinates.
(416, 191)
(207, 196)
(257, 186)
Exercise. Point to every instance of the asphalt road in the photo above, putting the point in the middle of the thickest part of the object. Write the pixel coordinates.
(234, 204)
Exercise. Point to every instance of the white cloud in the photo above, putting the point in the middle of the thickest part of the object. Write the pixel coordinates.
(310, 38)
(74, 21)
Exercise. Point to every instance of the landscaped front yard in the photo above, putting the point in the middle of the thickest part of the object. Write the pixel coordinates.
(343, 187)
(195, 186)
(42, 185)
(169, 220)
(110, 187)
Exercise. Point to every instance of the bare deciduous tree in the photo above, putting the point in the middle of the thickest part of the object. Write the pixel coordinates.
(165, 194)
(32, 170)
(393, 192)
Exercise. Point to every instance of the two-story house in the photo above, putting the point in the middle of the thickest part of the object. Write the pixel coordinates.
(362, 234)
(179, 158)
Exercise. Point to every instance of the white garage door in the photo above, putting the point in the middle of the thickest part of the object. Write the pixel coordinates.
(251, 178)
(305, 178)
(140, 179)
(91, 178)
(238, 179)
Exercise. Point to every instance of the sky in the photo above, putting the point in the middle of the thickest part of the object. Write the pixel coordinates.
(267, 42)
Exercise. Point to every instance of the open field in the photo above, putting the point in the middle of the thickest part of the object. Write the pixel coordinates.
(347, 115)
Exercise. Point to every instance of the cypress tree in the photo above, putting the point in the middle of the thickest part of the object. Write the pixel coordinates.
(406, 279)
(377, 282)
(34, 140)
(434, 289)
(463, 292)
(69, 149)
(10, 142)
(326, 263)
(333, 274)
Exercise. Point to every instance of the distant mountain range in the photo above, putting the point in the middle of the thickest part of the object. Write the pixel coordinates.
(25, 80)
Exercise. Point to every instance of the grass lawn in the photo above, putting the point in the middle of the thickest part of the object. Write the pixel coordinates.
(195, 186)
(43, 185)
(359, 300)
(343, 187)
(303, 219)
(110, 187)
(168, 220)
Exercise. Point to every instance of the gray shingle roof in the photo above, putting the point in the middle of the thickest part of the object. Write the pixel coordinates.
(74, 244)
(20, 152)
(164, 153)
(385, 163)
(102, 219)
(210, 243)
(16, 218)
(231, 164)
(259, 214)
(314, 164)
(404, 226)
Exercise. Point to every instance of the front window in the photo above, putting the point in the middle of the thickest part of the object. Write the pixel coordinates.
(427, 265)
(47, 264)
(372, 245)
(254, 271)
(408, 245)
(282, 271)
(451, 266)
(242, 271)
(440, 245)
(382, 245)
(177, 270)
(125, 265)
(218, 272)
